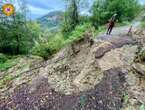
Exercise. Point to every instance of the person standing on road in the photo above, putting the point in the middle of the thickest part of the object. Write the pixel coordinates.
(111, 24)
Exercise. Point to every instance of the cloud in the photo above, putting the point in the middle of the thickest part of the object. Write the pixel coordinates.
(39, 4)
(46, 4)
(36, 9)
(39, 8)
(37, 12)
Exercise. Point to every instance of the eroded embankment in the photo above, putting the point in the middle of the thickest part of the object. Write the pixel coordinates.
(86, 75)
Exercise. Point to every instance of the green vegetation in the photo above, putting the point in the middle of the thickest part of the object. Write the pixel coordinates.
(142, 107)
(3, 58)
(47, 47)
(125, 98)
(71, 17)
(126, 10)
(143, 22)
(16, 36)
(78, 32)
(51, 20)
(6, 63)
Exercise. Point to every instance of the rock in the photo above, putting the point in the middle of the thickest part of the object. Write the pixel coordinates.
(119, 42)
(112, 43)
(139, 68)
(118, 57)
(111, 59)
(133, 101)
(129, 108)
(103, 48)
(89, 75)
(131, 79)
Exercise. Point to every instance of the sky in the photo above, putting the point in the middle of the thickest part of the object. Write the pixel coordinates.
(142, 1)
(39, 8)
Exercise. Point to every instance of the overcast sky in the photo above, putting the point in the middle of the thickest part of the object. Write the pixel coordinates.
(39, 8)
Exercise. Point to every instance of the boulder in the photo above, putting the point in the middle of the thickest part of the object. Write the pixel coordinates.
(113, 43)
(103, 48)
(139, 68)
(119, 57)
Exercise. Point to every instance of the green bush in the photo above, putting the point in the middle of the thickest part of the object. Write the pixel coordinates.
(41, 50)
(79, 31)
(143, 24)
(46, 48)
(8, 63)
(3, 58)
(56, 43)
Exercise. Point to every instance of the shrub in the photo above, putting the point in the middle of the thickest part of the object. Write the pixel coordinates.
(79, 31)
(3, 58)
(143, 24)
(8, 63)
(46, 48)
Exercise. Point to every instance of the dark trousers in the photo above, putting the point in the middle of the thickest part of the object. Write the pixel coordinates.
(109, 30)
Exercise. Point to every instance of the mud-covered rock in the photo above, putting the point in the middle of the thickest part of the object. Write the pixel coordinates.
(103, 48)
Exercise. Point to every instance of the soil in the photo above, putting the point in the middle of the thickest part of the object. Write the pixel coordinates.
(107, 95)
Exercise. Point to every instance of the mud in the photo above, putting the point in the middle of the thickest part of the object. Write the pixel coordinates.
(107, 95)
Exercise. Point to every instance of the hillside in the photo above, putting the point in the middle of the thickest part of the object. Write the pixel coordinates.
(97, 74)
(51, 20)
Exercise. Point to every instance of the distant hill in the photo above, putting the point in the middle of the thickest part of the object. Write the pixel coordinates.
(51, 20)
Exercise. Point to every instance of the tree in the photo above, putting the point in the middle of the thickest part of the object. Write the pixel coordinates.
(15, 35)
(102, 10)
(71, 16)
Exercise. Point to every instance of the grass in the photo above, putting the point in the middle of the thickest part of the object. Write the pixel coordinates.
(8, 64)
(125, 98)
(5, 81)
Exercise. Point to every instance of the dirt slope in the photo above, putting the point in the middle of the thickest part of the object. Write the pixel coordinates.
(90, 74)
